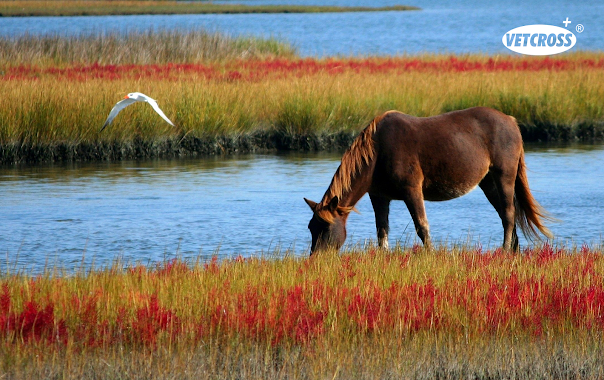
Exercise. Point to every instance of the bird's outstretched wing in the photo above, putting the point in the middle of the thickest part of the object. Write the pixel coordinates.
(116, 109)
(158, 110)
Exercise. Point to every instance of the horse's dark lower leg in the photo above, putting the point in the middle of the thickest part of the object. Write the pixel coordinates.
(415, 203)
(515, 242)
(489, 187)
(381, 207)
(499, 190)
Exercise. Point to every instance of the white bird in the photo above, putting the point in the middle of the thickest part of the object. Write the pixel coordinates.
(133, 97)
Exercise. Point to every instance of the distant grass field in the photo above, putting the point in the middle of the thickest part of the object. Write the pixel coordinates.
(136, 48)
(448, 313)
(135, 7)
(240, 94)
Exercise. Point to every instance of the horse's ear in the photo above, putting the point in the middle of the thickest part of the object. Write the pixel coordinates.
(311, 204)
(333, 204)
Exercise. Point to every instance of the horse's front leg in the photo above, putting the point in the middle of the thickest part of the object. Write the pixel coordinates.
(381, 207)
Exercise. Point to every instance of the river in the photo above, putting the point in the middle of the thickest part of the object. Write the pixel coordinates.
(63, 215)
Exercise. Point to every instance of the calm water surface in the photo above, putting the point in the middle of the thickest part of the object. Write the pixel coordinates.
(464, 26)
(148, 211)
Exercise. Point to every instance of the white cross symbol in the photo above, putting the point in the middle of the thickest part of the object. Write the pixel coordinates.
(566, 22)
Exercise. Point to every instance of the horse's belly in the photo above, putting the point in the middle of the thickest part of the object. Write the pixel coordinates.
(449, 184)
(445, 192)
(455, 174)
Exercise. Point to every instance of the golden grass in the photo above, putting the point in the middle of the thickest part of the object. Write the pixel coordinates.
(45, 111)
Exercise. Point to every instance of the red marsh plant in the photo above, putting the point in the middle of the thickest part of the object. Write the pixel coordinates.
(256, 70)
(295, 301)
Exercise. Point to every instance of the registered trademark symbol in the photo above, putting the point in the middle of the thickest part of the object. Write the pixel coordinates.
(579, 28)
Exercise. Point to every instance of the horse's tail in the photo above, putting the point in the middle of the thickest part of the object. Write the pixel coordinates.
(529, 213)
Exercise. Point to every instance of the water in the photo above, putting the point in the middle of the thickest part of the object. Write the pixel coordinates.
(467, 26)
(249, 205)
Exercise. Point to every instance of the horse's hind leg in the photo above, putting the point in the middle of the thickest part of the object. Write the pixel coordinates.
(414, 199)
(381, 207)
(493, 189)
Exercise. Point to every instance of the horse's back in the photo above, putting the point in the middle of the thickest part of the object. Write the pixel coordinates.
(483, 122)
(475, 130)
(448, 154)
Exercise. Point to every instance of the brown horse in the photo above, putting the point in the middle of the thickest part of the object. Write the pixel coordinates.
(435, 158)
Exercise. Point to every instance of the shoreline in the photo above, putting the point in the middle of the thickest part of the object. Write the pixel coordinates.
(128, 8)
(171, 147)
(13, 153)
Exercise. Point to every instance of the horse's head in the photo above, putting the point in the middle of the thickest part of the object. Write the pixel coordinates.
(328, 224)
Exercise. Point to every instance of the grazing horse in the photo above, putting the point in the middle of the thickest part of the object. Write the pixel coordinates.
(437, 158)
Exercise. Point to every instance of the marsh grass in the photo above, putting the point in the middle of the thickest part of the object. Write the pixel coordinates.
(120, 7)
(137, 48)
(548, 106)
(445, 313)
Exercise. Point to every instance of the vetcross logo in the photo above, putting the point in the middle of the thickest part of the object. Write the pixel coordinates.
(539, 39)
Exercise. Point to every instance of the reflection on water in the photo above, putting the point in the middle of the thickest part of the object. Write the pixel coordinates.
(151, 210)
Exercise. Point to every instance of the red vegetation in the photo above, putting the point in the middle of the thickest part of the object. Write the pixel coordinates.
(260, 316)
(491, 297)
(32, 323)
(150, 321)
(255, 70)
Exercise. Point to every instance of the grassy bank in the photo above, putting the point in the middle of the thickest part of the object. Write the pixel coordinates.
(56, 113)
(119, 7)
(242, 95)
(446, 313)
(136, 48)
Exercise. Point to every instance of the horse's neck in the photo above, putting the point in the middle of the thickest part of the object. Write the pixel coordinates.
(359, 185)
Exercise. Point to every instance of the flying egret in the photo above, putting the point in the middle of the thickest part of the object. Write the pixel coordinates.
(133, 97)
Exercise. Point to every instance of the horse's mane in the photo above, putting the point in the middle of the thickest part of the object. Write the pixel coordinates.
(360, 153)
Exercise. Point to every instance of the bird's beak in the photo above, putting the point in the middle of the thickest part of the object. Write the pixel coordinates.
(126, 97)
